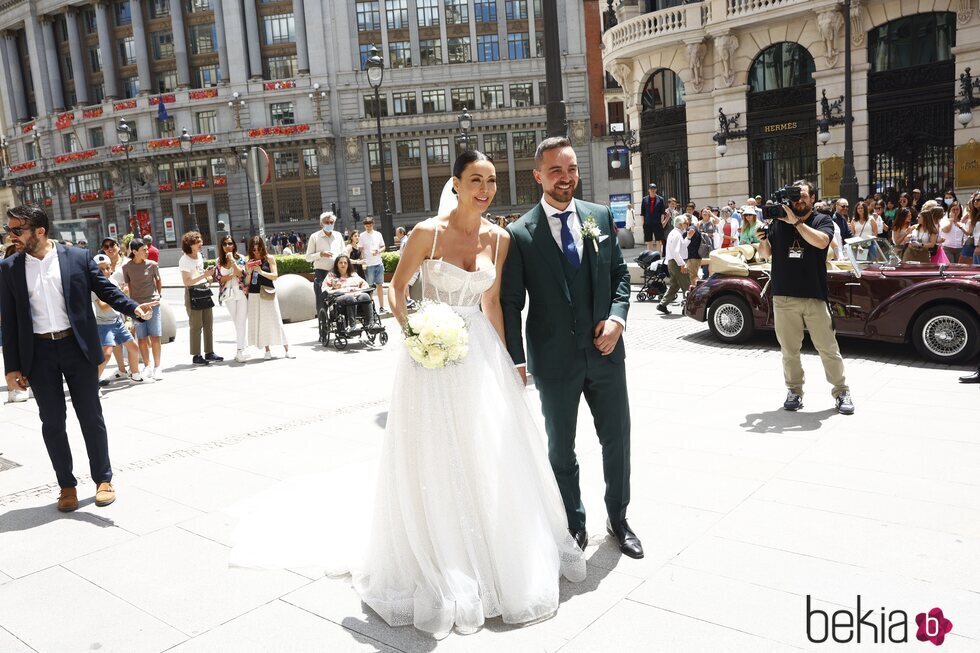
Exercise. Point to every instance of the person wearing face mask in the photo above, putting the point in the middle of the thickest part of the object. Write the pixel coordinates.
(322, 251)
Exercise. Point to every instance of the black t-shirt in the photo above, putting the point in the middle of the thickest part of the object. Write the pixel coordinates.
(805, 276)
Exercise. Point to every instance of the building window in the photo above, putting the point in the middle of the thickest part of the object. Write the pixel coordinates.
(163, 44)
(409, 154)
(131, 86)
(495, 147)
(542, 93)
(433, 101)
(311, 165)
(488, 47)
(525, 143)
(67, 67)
(492, 97)
(539, 44)
(159, 8)
(365, 49)
(437, 150)
(29, 154)
(368, 16)
(287, 165)
(373, 155)
(207, 122)
(430, 52)
(462, 98)
(203, 38)
(95, 59)
(457, 12)
(96, 137)
(123, 17)
(782, 65)
(87, 183)
(518, 46)
(396, 12)
(206, 75)
(520, 94)
(485, 11)
(166, 81)
(88, 19)
(370, 110)
(96, 93)
(127, 51)
(281, 113)
(279, 28)
(195, 6)
(400, 54)
(459, 50)
(428, 12)
(166, 128)
(283, 67)
(69, 143)
(403, 104)
(912, 41)
(516, 9)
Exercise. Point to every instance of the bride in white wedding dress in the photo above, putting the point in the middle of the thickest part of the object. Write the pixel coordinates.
(468, 523)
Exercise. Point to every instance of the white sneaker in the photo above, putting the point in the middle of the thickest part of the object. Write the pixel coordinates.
(138, 378)
(147, 372)
(157, 374)
(268, 356)
(290, 354)
(240, 356)
(17, 396)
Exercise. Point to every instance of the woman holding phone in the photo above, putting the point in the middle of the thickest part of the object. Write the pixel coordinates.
(264, 318)
(230, 275)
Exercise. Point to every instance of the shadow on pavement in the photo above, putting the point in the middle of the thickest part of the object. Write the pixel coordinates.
(27, 518)
(785, 421)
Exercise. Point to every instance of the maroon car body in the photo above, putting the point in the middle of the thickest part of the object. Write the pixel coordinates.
(936, 307)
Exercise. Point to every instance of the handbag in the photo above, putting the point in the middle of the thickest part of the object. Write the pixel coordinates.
(201, 298)
(707, 245)
(267, 293)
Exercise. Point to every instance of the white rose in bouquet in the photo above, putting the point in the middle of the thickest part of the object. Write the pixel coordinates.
(436, 336)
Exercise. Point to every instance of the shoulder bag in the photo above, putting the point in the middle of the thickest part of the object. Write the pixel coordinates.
(201, 297)
(707, 244)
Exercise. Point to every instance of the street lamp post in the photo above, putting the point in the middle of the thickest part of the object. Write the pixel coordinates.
(557, 124)
(236, 104)
(243, 158)
(375, 75)
(39, 155)
(465, 125)
(125, 133)
(848, 181)
(185, 146)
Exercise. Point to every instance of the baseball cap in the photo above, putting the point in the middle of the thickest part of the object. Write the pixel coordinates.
(102, 259)
(109, 239)
(652, 186)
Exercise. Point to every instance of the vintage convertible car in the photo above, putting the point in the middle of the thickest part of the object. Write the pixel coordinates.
(872, 295)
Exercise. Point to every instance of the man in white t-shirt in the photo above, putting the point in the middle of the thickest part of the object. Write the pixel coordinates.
(372, 245)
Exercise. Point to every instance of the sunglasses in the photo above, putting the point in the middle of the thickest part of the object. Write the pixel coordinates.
(227, 244)
(17, 231)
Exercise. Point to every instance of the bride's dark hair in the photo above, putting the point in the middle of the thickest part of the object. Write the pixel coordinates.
(466, 158)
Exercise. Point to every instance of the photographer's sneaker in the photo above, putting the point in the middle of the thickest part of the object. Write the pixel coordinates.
(793, 401)
(845, 405)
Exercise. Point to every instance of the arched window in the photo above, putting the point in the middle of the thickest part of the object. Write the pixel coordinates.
(664, 89)
(912, 41)
(783, 65)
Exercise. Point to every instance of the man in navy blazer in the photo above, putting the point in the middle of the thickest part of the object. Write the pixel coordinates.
(652, 208)
(49, 333)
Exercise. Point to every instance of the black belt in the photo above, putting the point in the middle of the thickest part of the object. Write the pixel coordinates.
(54, 335)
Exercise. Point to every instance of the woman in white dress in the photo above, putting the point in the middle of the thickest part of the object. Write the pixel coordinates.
(264, 318)
(468, 523)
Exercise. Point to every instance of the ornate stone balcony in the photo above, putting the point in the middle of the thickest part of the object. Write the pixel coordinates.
(638, 32)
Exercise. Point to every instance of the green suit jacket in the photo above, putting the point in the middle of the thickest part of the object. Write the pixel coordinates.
(533, 270)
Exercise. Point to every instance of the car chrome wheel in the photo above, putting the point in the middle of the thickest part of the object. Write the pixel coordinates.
(944, 336)
(729, 320)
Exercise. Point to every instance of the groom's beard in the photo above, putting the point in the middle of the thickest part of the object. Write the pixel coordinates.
(562, 196)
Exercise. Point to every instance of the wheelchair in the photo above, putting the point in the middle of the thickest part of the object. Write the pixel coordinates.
(343, 322)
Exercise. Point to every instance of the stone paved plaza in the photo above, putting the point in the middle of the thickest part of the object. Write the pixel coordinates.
(744, 509)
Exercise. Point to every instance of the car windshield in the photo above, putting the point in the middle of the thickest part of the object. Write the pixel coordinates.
(867, 250)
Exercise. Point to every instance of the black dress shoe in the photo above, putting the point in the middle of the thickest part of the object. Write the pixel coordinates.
(581, 537)
(629, 543)
(213, 357)
(971, 378)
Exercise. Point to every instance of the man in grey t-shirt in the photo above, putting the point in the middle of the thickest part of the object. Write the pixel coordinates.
(142, 278)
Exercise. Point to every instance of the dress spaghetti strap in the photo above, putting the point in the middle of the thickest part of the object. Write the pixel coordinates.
(496, 249)
(435, 237)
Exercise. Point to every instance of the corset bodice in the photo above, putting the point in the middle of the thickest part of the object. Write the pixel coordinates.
(449, 284)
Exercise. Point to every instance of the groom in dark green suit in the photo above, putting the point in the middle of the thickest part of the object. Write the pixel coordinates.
(564, 257)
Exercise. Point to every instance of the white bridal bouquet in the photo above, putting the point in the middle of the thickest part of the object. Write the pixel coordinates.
(436, 336)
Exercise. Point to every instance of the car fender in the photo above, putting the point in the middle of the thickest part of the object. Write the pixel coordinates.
(745, 287)
(894, 316)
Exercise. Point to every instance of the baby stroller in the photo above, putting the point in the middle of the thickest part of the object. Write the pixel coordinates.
(654, 276)
(344, 321)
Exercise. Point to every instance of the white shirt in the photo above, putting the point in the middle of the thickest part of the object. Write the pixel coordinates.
(574, 225)
(195, 266)
(370, 241)
(677, 246)
(322, 241)
(954, 237)
(49, 311)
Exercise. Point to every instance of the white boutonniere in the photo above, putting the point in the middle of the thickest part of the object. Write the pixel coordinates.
(591, 231)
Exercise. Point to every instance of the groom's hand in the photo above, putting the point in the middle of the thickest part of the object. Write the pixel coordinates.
(607, 333)
(522, 370)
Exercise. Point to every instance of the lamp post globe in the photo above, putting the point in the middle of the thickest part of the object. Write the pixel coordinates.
(722, 149)
(823, 136)
(965, 116)
(375, 67)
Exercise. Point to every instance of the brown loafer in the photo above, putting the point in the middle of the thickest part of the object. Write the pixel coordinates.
(68, 499)
(105, 494)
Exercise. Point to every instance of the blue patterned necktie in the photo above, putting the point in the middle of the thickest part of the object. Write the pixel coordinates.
(568, 241)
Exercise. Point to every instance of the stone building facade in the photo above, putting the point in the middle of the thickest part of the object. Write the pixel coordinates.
(769, 63)
(286, 76)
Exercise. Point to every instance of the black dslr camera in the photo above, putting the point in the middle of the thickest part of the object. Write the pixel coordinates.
(780, 200)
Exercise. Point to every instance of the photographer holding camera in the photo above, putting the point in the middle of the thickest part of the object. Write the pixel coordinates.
(797, 239)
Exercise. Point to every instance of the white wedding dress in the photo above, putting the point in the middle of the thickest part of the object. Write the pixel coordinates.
(467, 521)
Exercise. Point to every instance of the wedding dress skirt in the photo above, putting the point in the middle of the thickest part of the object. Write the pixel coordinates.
(467, 520)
